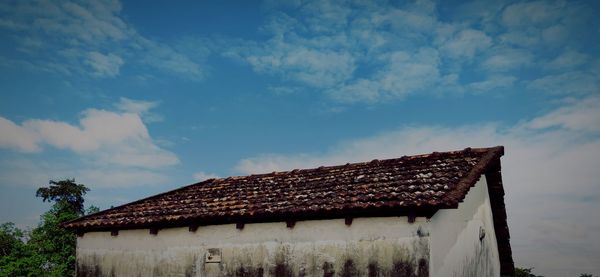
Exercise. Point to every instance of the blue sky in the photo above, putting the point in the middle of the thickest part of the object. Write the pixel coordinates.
(134, 98)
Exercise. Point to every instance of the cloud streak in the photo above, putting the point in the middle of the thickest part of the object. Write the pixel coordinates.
(91, 38)
(373, 52)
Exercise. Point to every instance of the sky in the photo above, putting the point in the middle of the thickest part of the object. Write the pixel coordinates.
(135, 98)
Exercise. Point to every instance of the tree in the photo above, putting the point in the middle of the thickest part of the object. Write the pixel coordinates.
(66, 193)
(525, 272)
(50, 249)
(11, 239)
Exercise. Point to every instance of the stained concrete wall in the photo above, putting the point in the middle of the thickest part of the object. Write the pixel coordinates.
(387, 246)
(462, 241)
(448, 244)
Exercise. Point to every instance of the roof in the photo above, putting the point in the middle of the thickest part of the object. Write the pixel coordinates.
(411, 185)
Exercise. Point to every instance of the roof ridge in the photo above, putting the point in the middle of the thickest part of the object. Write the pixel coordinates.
(422, 155)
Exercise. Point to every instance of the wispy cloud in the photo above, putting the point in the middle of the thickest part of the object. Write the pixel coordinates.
(545, 201)
(90, 38)
(504, 59)
(568, 60)
(466, 44)
(403, 74)
(310, 65)
(352, 51)
(493, 82)
(140, 107)
(569, 83)
(104, 65)
(578, 115)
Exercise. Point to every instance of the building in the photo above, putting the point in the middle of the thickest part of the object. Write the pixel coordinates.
(439, 214)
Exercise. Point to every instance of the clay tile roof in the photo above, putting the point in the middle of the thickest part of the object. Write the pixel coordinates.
(408, 185)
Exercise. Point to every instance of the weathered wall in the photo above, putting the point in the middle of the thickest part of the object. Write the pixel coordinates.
(455, 244)
(447, 245)
(387, 246)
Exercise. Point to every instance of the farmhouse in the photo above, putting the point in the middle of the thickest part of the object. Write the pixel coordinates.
(439, 214)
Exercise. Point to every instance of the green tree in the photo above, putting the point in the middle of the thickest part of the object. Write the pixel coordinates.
(67, 194)
(587, 275)
(525, 272)
(50, 249)
(11, 239)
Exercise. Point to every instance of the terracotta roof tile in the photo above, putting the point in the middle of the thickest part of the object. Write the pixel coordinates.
(410, 183)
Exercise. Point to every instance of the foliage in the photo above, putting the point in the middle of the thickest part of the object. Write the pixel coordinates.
(587, 275)
(525, 272)
(92, 210)
(66, 193)
(48, 249)
(11, 239)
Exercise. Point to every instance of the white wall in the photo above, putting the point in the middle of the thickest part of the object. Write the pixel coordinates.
(386, 246)
(456, 249)
(447, 245)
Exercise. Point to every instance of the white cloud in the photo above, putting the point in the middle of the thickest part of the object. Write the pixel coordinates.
(492, 82)
(89, 23)
(568, 59)
(135, 106)
(201, 176)
(535, 13)
(310, 65)
(521, 38)
(505, 59)
(405, 73)
(140, 107)
(548, 22)
(555, 34)
(346, 51)
(466, 43)
(14, 136)
(550, 176)
(87, 29)
(371, 36)
(110, 149)
(104, 136)
(567, 83)
(581, 116)
(409, 19)
(104, 65)
(166, 58)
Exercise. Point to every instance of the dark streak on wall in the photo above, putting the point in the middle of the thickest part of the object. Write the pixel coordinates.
(405, 268)
(423, 270)
(89, 270)
(349, 269)
(249, 272)
(328, 270)
(282, 268)
(480, 264)
(411, 261)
